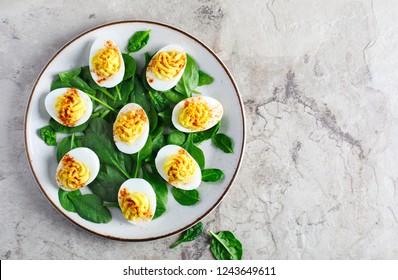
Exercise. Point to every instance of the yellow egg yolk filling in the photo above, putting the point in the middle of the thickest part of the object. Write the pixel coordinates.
(107, 61)
(195, 115)
(73, 174)
(135, 206)
(129, 125)
(167, 65)
(179, 167)
(70, 107)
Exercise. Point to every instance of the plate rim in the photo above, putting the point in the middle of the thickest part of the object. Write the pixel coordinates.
(231, 182)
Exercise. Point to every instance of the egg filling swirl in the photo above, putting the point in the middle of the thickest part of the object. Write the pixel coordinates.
(179, 167)
(74, 174)
(135, 206)
(167, 65)
(195, 115)
(107, 61)
(70, 107)
(129, 126)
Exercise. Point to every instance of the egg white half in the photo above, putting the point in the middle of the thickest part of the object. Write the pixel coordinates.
(88, 158)
(139, 142)
(112, 80)
(162, 85)
(51, 99)
(142, 186)
(161, 159)
(215, 108)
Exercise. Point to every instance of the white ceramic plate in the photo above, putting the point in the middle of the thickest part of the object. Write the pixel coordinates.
(42, 158)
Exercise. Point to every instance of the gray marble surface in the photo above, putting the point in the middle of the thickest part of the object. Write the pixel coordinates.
(319, 82)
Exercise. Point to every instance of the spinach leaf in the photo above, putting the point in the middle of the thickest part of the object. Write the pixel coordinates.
(190, 78)
(65, 77)
(225, 246)
(90, 207)
(138, 40)
(66, 129)
(212, 175)
(122, 91)
(190, 234)
(99, 138)
(107, 183)
(223, 142)
(166, 116)
(129, 65)
(79, 83)
(161, 191)
(67, 144)
(86, 76)
(173, 96)
(65, 201)
(139, 96)
(47, 133)
(153, 119)
(185, 197)
(59, 84)
(157, 143)
(159, 102)
(176, 138)
(194, 151)
(143, 72)
(204, 79)
(142, 155)
(199, 137)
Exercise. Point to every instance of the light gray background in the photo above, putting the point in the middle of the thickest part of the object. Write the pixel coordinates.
(319, 82)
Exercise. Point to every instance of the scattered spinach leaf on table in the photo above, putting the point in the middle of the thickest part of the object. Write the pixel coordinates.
(190, 234)
(225, 246)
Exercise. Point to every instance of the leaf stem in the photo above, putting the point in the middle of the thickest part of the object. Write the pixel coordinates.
(176, 244)
(137, 168)
(101, 102)
(122, 169)
(197, 92)
(118, 92)
(72, 140)
(107, 93)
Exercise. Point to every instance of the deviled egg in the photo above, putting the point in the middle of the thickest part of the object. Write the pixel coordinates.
(131, 129)
(166, 67)
(197, 113)
(178, 167)
(137, 200)
(77, 169)
(69, 106)
(106, 63)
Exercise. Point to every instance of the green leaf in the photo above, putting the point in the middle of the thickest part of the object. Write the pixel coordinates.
(212, 175)
(190, 234)
(176, 138)
(86, 76)
(225, 246)
(138, 40)
(65, 201)
(67, 144)
(142, 155)
(107, 183)
(157, 143)
(65, 77)
(166, 115)
(90, 207)
(99, 138)
(161, 191)
(47, 133)
(190, 78)
(185, 197)
(139, 96)
(59, 84)
(158, 101)
(66, 129)
(194, 151)
(79, 83)
(199, 137)
(204, 79)
(223, 142)
(130, 66)
(173, 96)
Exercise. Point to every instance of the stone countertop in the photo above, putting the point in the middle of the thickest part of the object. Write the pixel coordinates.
(319, 83)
